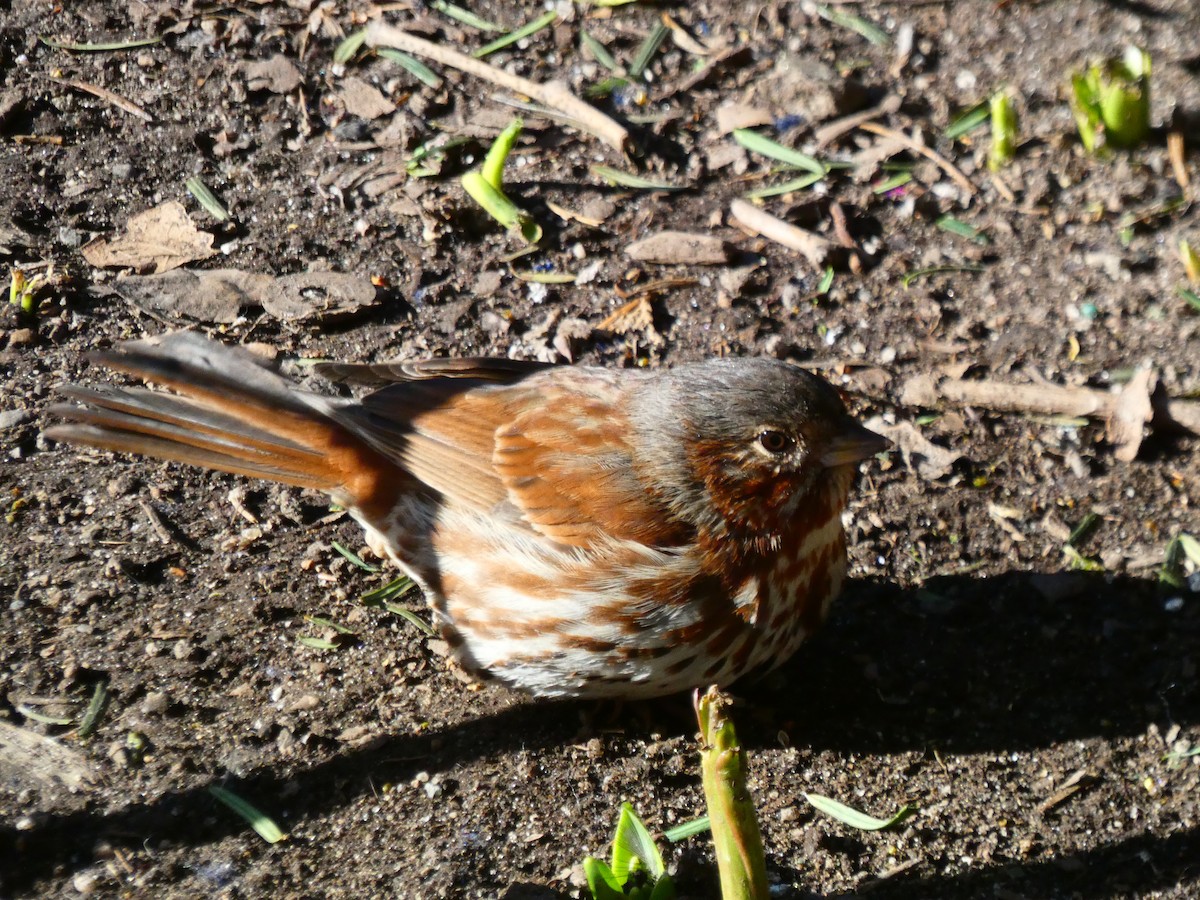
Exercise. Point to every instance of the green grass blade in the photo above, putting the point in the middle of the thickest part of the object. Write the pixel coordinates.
(329, 623)
(393, 590)
(101, 47)
(413, 66)
(263, 824)
(629, 180)
(601, 53)
(968, 121)
(513, 36)
(857, 24)
(764, 146)
(349, 47)
(646, 51)
(198, 189)
(316, 643)
(354, 558)
(962, 229)
(91, 717)
(855, 819)
(796, 184)
(898, 180)
(687, 830)
(465, 16)
(918, 274)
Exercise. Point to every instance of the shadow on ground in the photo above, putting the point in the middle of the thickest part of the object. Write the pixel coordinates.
(962, 665)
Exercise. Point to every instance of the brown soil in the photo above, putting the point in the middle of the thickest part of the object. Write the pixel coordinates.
(1038, 714)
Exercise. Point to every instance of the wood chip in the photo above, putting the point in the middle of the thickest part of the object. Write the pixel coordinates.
(732, 116)
(813, 247)
(318, 296)
(1133, 412)
(635, 316)
(208, 295)
(364, 100)
(278, 75)
(681, 248)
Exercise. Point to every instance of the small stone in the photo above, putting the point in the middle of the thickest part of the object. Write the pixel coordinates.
(84, 883)
(182, 649)
(21, 337)
(69, 237)
(10, 418)
(155, 703)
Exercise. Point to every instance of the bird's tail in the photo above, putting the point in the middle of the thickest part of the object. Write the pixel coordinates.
(229, 413)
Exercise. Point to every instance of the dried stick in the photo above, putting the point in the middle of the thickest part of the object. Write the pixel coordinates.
(917, 147)
(106, 95)
(551, 93)
(813, 247)
(835, 129)
(1123, 413)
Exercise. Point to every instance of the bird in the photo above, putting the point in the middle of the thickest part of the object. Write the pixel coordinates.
(578, 531)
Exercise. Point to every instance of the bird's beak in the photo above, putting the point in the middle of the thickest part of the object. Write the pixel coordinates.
(853, 444)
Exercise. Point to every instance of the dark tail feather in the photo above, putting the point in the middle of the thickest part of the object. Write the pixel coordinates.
(168, 427)
(230, 414)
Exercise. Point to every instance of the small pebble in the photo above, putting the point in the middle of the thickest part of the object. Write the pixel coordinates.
(84, 883)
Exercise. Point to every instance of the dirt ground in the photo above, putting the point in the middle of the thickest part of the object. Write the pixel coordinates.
(1038, 704)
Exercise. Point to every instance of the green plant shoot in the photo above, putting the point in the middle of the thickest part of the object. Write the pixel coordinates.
(1005, 126)
(1111, 101)
(637, 871)
(735, 833)
(486, 187)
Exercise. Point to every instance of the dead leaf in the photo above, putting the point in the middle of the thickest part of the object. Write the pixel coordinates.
(568, 333)
(318, 296)
(31, 760)
(278, 75)
(680, 248)
(156, 240)
(635, 316)
(212, 295)
(364, 100)
(920, 454)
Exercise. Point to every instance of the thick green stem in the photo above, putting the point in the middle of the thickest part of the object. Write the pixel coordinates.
(735, 832)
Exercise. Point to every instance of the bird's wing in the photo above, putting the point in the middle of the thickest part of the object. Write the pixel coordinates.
(552, 450)
(502, 371)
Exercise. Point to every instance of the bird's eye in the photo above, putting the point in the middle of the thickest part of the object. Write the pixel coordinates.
(774, 441)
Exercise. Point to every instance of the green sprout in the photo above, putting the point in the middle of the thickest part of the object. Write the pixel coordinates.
(1111, 101)
(486, 187)
(736, 838)
(23, 289)
(1004, 131)
(637, 871)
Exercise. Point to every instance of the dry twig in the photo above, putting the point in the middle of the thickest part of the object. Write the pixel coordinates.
(106, 95)
(1124, 414)
(917, 147)
(813, 247)
(551, 93)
